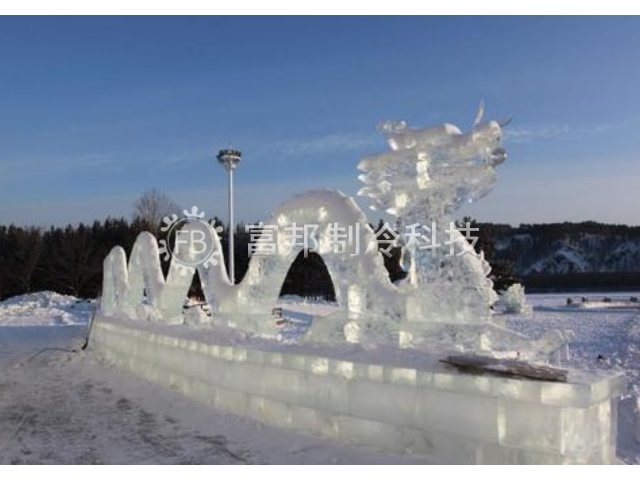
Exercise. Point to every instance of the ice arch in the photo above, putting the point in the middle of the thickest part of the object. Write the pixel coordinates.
(360, 280)
(324, 209)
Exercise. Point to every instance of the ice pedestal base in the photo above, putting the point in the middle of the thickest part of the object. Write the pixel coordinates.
(430, 411)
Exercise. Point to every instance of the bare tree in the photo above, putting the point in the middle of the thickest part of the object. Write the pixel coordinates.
(152, 207)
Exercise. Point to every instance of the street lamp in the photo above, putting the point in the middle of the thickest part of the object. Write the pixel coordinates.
(230, 159)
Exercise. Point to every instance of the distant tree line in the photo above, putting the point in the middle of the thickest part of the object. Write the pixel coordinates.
(69, 259)
(529, 242)
(66, 260)
(583, 282)
(570, 256)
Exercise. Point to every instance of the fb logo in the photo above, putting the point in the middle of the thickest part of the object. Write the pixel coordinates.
(193, 239)
(195, 242)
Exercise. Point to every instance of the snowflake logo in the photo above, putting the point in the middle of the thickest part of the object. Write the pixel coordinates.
(191, 241)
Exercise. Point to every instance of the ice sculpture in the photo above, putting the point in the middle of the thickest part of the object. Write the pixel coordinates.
(427, 175)
(360, 281)
(140, 290)
(514, 300)
(405, 402)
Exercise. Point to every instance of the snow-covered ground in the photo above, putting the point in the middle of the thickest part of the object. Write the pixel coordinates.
(62, 407)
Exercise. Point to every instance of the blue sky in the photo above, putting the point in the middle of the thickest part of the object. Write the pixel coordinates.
(96, 110)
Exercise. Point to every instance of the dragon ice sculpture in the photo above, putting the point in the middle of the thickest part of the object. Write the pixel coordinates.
(432, 171)
(426, 176)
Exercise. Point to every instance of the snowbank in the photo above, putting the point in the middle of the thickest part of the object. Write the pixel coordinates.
(45, 309)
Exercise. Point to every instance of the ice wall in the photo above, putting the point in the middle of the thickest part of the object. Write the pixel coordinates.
(437, 413)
